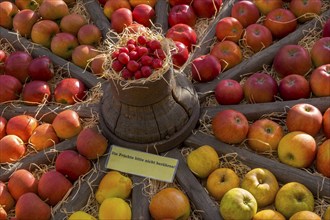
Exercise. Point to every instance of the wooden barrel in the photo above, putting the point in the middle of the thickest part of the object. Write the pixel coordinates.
(154, 116)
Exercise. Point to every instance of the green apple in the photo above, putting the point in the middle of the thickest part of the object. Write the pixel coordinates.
(262, 184)
(293, 197)
(238, 203)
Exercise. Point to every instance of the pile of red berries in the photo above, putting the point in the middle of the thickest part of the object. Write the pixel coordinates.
(138, 58)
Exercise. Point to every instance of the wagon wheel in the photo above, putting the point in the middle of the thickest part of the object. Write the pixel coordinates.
(189, 183)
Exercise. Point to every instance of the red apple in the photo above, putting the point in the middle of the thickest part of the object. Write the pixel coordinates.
(320, 81)
(8, 10)
(63, 44)
(112, 5)
(43, 31)
(228, 92)
(206, 8)
(180, 55)
(260, 87)
(326, 29)
(292, 59)
(67, 124)
(184, 34)
(246, 12)
(143, 14)
(179, 2)
(12, 149)
(69, 91)
(305, 10)
(266, 6)
(97, 65)
(24, 21)
(205, 68)
(3, 123)
(323, 158)
(326, 123)
(41, 68)
(229, 28)
(11, 88)
(53, 9)
(6, 199)
(293, 87)
(320, 51)
(17, 65)
(258, 37)
(22, 181)
(120, 19)
(304, 117)
(71, 164)
(230, 126)
(89, 34)
(3, 57)
(36, 92)
(280, 22)
(182, 14)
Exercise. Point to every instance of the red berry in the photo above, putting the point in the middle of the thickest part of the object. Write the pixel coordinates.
(142, 51)
(123, 50)
(130, 47)
(131, 41)
(133, 55)
(159, 53)
(157, 63)
(117, 66)
(133, 66)
(142, 40)
(123, 58)
(154, 45)
(146, 71)
(146, 60)
(138, 74)
(115, 54)
(126, 74)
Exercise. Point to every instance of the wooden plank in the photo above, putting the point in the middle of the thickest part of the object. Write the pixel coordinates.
(161, 9)
(194, 190)
(140, 202)
(46, 156)
(319, 186)
(261, 58)
(21, 43)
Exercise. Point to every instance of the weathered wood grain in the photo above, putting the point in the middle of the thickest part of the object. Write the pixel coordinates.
(140, 202)
(161, 9)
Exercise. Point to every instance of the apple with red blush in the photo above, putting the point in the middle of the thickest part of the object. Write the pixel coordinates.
(206, 8)
(24, 21)
(120, 19)
(305, 10)
(320, 52)
(43, 31)
(246, 12)
(36, 92)
(228, 92)
(41, 68)
(143, 14)
(182, 14)
(180, 55)
(257, 37)
(229, 28)
(293, 87)
(184, 34)
(320, 81)
(63, 44)
(69, 91)
(326, 123)
(8, 10)
(205, 68)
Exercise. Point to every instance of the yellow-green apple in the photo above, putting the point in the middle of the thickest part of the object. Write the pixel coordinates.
(12, 148)
(181, 13)
(238, 203)
(293, 197)
(72, 22)
(72, 164)
(262, 184)
(69, 91)
(114, 184)
(326, 29)
(323, 158)
(257, 37)
(77, 215)
(228, 92)
(44, 136)
(293, 87)
(260, 87)
(22, 126)
(6, 199)
(326, 123)
(143, 14)
(305, 10)
(41, 68)
(304, 117)
(178, 2)
(82, 55)
(326, 215)
(203, 160)
(63, 44)
(67, 124)
(184, 34)
(169, 203)
(320, 80)
(205, 68)
(228, 53)
(17, 65)
(266, 6)
(3, 123)
(280, 22)
(305, 215)
(120, 19)
(320, 52)
(97, 65)
(230, 126)
(228, 28)
(297, 149)
(11, 88)
(206, 8)
(268, 214)
(36, 92)
(89, 34)
(20, 182)
(31, 206)
(112, 5)
(43, 31)
(53, 9)
(28, 4)
(292, 59)
(246, 12)
(8, 10)
(221, 181)
(24, 21)
(264, 135)
(53, 186)
(91, 143)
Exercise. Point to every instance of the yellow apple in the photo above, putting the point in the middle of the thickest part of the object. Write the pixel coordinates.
(268, 214)
(81, 215)
(305, 215)
(292, 198)
(114, 208)
(323, 158)
(220, 181)
(262, 184)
